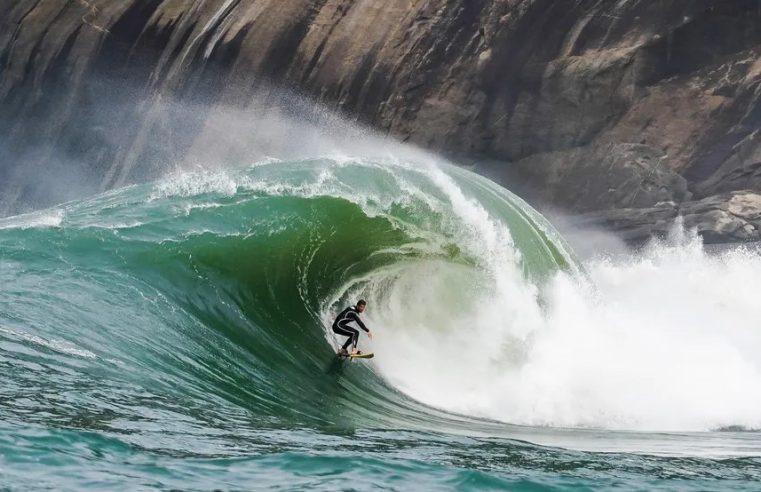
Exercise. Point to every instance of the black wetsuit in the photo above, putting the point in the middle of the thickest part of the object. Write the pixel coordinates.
(341, 326)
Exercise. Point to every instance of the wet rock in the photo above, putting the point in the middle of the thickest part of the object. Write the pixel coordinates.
(604, 177)
(589, 105)
(729, 217)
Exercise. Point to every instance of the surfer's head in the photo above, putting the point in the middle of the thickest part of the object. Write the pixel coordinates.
(361, 305)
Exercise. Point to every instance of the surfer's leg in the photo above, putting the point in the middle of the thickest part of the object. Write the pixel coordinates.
(348, 332)
(353, 338)
(351, 332)
(347, 343)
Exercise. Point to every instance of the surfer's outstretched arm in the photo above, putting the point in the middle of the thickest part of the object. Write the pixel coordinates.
(362, 325)
(355, 317)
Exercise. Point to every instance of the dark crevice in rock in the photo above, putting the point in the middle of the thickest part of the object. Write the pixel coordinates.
(124, 35)
(153, 39)
(44, 86)
(112, 100)
(707, 170)
(723, 29)
(365, 72)
(16, 29)
(55, 86)
(281, 53)
(704, 167)
(517, 64)
(161, 72)
(36, 56)
(202, 84)
(343, 9)
(314, 60)
(203, 45)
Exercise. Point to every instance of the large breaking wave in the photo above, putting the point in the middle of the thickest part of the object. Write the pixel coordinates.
(219, 288)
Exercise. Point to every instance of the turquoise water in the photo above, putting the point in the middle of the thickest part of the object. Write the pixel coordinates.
(174, 335)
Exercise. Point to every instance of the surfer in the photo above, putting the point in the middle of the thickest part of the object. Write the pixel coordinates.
(341, 326)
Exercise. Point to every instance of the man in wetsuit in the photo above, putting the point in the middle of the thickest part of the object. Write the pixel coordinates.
(341, 326)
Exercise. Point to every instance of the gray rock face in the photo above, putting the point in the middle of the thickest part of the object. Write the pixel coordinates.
(741, 168)
(729, 217)
(587, 105)
(603, 177)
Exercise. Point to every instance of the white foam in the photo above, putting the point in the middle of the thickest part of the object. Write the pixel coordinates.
(667, 340)
(42, 219)
(187, 184)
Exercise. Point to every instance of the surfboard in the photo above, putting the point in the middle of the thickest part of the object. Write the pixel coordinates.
(367, 355)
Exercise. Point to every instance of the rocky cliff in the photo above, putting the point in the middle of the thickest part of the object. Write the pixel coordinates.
(596, 107)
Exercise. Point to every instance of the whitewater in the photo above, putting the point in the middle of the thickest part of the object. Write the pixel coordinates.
(177, 334)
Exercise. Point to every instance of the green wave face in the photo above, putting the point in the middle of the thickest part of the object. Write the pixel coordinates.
(219, 289)
(177, 335)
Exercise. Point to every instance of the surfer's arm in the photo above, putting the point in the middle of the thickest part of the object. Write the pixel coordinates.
(360, 323)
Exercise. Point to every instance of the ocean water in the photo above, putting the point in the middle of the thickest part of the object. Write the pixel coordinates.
(176, 335)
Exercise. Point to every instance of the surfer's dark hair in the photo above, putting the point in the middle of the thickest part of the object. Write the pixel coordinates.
(361, 302)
